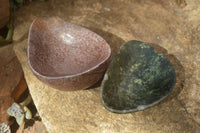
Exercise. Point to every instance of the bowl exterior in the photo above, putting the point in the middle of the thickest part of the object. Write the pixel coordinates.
(78, 82)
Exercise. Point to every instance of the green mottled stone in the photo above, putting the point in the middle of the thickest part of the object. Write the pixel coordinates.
(138, 77)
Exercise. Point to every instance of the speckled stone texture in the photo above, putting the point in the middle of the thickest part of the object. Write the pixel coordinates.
(66, 56)
(173, 31)
(137, 78)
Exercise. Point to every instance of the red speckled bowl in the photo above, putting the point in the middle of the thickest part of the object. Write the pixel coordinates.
(66, 56)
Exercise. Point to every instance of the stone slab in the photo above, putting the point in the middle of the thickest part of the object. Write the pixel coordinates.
(173, 30)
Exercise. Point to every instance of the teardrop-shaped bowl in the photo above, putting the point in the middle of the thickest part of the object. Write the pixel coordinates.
(137, 78)
(66, 56)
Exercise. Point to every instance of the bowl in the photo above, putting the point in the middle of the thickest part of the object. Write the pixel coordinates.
(66, 56)
(137, 78)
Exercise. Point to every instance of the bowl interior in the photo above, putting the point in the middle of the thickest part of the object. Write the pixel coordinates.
(57, 48)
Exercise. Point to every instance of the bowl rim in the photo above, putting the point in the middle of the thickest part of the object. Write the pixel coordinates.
(72, 75)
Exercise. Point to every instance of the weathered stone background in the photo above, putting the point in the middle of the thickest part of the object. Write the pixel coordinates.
(10, 75)
(170, 28)
(4, 12)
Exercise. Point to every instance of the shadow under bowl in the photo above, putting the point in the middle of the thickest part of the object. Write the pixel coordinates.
(66, 56)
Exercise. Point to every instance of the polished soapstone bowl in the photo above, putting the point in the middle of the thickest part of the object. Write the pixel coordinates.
(66, 56)
(137, 78)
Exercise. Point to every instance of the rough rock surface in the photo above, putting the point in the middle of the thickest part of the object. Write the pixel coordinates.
(4, 12)
(172, 29)
(37, 127)
(10, 76)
